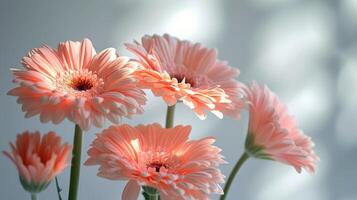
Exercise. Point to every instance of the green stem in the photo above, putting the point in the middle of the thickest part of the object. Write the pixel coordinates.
(33, 196)
(150, 193)
(170, 116)
(58, 189)
(235, 170)
(76, 164)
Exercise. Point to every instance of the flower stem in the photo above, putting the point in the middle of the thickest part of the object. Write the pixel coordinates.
(170, 116)
(76, 163)
(151, 193)
(58, 189)
(235, 170)
(33, 196)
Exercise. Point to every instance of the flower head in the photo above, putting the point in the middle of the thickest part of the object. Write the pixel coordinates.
(273, 132)
(76, 83)
(179, 70)
(38, 159)
(160, 158)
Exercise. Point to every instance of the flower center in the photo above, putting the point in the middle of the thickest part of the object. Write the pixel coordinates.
(182, 73)
(156, 165)
(181, 77)
(82, 83)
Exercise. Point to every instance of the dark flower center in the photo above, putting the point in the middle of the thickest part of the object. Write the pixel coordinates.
(181, 77)
(82, 83)
(157, 166)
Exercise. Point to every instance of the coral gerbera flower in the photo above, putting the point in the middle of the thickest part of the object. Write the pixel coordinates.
(38, 159)
(74, 82)
(273, 132)
(179, 70)
(160, 158)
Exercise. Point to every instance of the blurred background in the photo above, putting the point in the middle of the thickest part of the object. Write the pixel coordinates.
(304, 50)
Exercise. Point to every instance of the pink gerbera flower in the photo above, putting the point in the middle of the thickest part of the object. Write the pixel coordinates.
(76, 83)
(273, 133)
(38, 159)
(160, 158)
(179, 70)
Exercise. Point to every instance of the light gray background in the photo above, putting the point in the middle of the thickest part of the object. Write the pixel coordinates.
(305, 50)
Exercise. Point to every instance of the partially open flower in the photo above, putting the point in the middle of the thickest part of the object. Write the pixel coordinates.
(74, 82)
(159, 158)
(273, 133)
(183, 71)
(38, 159)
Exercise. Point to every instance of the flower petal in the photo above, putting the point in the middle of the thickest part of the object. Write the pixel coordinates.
(131, 191)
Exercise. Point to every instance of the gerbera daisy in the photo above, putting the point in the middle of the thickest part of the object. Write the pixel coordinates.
(76, 83)
(38, 159)
(183, 71)
(273, 132)
(159, 158)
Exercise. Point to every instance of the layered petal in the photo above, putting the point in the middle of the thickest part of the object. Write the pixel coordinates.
(160, 158)
(273, 132)
(74, 82)
(179, 70)
(38, 159)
